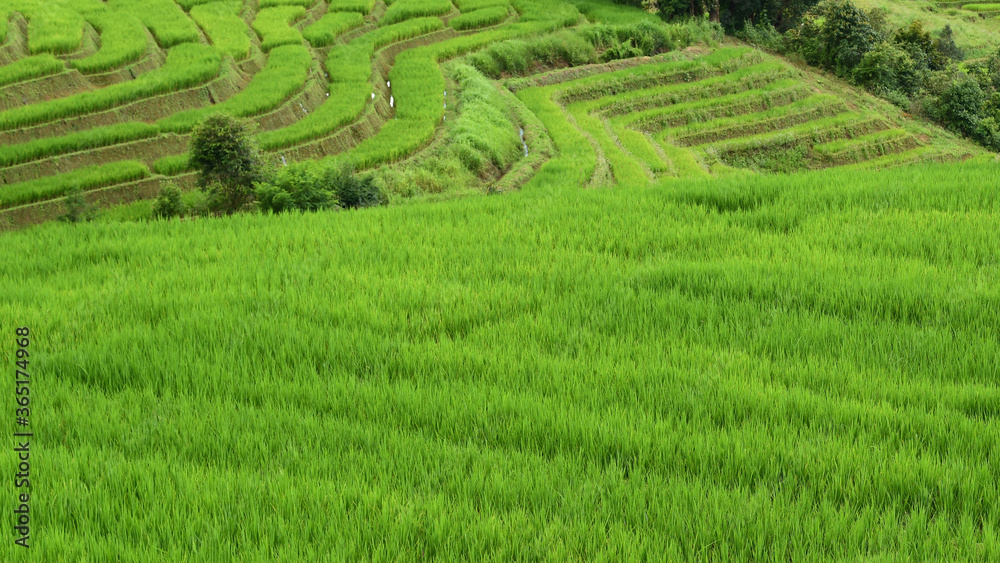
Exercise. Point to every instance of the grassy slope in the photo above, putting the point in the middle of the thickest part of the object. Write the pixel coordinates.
(790, 367)
(979, 37)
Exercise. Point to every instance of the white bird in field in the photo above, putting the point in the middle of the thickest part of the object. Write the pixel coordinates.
(392, 102)
(373, 95)
(388, 84)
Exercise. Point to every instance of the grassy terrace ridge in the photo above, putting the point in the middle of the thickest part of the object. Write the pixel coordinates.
(802, 366)
(731, 109)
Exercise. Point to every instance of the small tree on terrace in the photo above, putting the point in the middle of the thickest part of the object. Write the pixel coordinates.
(228, 162)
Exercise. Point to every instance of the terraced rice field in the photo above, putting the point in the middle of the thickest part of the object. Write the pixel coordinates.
(86, 83)
(731, 110)
(711, 315)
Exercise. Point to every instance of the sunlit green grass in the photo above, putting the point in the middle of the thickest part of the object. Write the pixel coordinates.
(799, 368)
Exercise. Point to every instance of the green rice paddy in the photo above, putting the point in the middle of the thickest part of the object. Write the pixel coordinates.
(801, 367)
(699, 305)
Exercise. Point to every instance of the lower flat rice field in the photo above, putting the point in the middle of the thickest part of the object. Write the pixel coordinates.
(792, 367)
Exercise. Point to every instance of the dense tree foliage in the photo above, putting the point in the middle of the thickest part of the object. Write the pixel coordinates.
(312, 186)
(228, 161)
(732, 14)
(908, 66)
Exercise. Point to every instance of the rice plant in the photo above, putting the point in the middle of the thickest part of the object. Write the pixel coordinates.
(982, 7)
(303, 3)
(325, 30)
(165, 19)
(866, 147)
(34, 66)
(83, 178)
(625, 168)
(642, 147)
(782, 114)
(224, 27)
(172, 165)
(350, 70)
(363, 7)
(5, 13)
(123, 41)
(52, 28)
(73, 142)
(576, 160)
(400, 31)
(285, 74)
(344, 104)
(479, 18)
(274, 26)
(187, 65)
(408, 9)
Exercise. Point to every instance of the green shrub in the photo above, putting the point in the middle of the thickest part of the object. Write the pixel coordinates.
(228, 162)
(77, 210)
(355, 191)
(623, 41)
(945, 45)
(169, 203)
(919, 45)
(987, 132)
(303, 186)
(848, 32)
(763, 36)
(361, 6)
(961, 104)
(888, 68)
